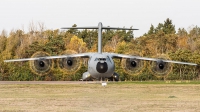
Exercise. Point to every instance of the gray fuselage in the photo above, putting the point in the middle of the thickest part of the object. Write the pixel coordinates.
(101, 66)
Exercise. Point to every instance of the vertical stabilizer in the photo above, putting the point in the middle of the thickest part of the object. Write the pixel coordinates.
(100, 37)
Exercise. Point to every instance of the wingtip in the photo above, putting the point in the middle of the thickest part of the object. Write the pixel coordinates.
(6, 61)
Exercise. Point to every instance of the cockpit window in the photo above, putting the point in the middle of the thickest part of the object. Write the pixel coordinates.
(100, 59)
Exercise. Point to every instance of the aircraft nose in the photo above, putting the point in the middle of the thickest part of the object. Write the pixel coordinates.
(102, 67)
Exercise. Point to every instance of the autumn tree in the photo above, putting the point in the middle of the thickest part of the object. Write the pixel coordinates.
(182, 32)
(122, 47)
(182, 42)
(194, 38)
(3, 39)
(168, 27)
(73, 31)
(151, 30)
(89, 36)
(77, 45)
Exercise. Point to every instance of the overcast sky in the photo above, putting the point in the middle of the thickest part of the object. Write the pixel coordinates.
(18, 14)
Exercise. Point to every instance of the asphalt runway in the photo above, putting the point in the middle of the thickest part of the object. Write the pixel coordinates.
(50, 82)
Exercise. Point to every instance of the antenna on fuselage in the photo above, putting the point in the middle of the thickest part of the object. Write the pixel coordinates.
(100, 28)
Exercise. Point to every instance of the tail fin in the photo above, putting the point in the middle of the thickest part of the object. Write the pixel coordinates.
(100, 28)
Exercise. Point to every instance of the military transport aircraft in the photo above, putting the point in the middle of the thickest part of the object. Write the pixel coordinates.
(100, 64)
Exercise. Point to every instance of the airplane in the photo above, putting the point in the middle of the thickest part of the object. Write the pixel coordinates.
(100, 64)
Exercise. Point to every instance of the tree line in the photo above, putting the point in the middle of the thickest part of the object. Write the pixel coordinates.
(163, 39)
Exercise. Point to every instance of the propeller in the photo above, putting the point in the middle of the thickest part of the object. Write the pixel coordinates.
(42, 66)
(159, 67)
(133, 66)
(69, 64)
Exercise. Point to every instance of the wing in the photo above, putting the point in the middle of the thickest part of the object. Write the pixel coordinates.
(114, 55)
(82, 55)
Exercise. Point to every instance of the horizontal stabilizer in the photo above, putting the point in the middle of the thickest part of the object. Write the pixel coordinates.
(79, 28)
(98, 28)
(119, 28)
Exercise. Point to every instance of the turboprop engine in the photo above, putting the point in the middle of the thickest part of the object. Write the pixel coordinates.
(159, 67)
(69, 64)
(132, 66)
(41, 66)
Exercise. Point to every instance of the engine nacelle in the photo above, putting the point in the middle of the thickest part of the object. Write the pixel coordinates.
(159, 67)
(69, 64)
(41, 66)
(160, 64)
(132, 66)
